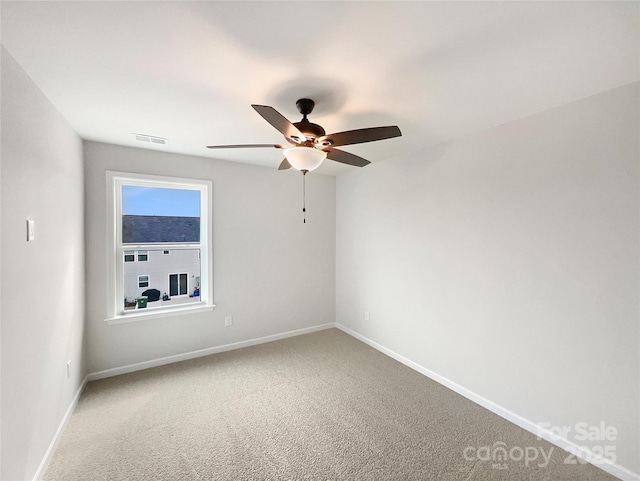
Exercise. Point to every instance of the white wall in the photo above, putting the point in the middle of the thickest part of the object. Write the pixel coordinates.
(42, 307)
(508, 263)
(272, 273)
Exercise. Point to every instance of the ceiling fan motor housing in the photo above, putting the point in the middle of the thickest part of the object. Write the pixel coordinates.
(311, 131)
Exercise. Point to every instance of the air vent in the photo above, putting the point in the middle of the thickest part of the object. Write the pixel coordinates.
(150, 139)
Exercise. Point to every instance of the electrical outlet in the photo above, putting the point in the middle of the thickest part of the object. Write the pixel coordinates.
(367, 317)
(68, 369)
(228, 321)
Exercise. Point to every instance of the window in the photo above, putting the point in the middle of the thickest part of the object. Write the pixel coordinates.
(150, 217)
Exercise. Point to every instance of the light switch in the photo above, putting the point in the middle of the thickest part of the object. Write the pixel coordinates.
(31, 226)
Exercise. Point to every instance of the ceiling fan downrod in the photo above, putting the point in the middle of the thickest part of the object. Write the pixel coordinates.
(310, 130)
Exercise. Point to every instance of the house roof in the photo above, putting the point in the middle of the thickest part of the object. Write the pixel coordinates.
(143, 229)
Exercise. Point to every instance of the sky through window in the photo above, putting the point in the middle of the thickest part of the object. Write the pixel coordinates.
(140, 200)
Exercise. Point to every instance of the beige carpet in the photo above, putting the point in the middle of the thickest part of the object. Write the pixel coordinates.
(319, 406)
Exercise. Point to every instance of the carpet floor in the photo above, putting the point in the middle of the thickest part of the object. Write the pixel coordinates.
(321, 406)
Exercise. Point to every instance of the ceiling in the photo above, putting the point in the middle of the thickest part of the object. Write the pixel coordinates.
(189, 71)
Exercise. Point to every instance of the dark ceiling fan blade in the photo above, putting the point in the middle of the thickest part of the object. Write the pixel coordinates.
(277, 120)
(246, 146)
(360, 136)
(284, 165)
(346, 157)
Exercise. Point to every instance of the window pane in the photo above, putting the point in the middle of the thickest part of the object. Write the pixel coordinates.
(129, 256)
(183, 284)
(155, 214)
(143, 256)
(173, 285)
(165, 281)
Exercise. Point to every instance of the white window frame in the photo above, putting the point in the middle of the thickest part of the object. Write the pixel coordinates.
(115, 248)
(148, 281)
(143, 253)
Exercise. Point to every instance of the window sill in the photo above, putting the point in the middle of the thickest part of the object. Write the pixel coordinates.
(157, 314)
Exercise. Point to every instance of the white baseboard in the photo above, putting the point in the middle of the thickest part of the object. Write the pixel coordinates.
(139, 366)
(612, 468)
(56, 437)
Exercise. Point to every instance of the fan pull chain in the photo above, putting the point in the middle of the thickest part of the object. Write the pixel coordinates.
(304, 197)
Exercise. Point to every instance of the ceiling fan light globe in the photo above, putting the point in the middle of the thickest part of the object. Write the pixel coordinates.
(305, 158)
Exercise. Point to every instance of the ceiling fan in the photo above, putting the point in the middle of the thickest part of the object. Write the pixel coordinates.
(309, 144)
